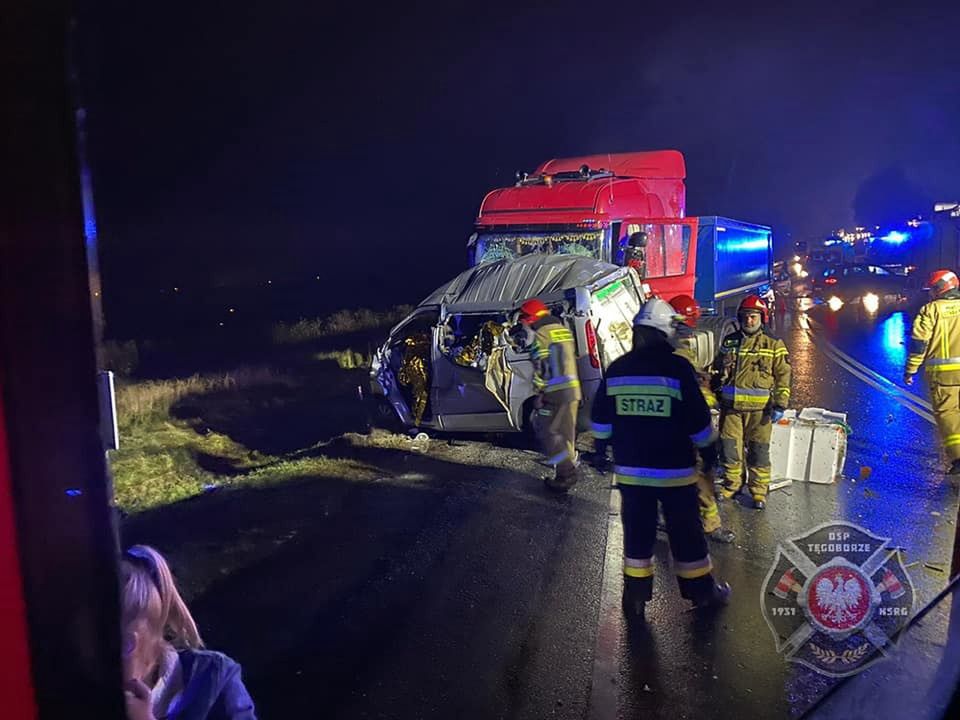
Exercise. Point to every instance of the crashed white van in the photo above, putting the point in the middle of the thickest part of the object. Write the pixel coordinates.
(454, 363)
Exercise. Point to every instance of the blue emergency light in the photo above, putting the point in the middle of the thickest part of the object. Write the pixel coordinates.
(895, 237)
(744, 243)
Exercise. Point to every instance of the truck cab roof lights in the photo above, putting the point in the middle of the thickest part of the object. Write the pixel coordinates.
(585, 173)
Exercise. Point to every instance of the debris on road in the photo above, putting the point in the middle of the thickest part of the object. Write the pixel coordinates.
(420, 443)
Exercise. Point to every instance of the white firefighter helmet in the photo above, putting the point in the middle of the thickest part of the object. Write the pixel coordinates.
(659, 314)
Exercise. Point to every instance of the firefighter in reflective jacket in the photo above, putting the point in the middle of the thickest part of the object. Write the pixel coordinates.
(753, 374)
(650, 409)
(687, 307)
(935, 343)
(554, 358)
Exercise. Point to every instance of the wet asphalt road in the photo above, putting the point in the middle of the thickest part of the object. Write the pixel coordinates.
(452, 587)
(689, 668)
(455, 587)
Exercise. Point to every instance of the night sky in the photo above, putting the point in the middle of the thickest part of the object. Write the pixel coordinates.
(233, 143)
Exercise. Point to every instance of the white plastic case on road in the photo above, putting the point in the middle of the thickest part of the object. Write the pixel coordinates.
(810, 446)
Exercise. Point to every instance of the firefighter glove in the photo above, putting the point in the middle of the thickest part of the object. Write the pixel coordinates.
(907, 379)
(776, 414)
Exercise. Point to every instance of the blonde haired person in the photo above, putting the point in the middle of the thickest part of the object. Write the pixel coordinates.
(167, 673)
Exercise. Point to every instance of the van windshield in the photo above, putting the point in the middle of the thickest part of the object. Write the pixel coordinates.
(492, 246)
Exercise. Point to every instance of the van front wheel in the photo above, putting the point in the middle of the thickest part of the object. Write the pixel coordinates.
(380, 414)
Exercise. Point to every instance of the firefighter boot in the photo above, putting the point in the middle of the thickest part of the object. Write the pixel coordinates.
(566, 477)
(722, 535)
(559, 484)
(634, 601)
(718, 596)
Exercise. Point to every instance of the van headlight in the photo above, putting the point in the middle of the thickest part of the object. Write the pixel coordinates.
(835, 303)
(870, 302)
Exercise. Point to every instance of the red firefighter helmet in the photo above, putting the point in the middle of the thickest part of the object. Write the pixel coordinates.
(942, 281)
(754, 303)
(688, 307)
(532, 310)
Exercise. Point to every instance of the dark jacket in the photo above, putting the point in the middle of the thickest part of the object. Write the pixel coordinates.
(212, 689)
(650, 407)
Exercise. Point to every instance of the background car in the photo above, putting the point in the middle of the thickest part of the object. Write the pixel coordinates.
(873, 288)
(782, 279)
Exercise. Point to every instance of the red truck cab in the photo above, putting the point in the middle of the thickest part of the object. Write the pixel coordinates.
(591, 206)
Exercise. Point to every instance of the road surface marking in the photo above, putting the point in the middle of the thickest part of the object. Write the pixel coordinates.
(604, 690)
(877, 376)
(911, 402)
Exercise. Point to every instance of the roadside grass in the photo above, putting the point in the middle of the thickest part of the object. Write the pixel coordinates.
(346, 359)
(342, 322)
(147, 402)
(189, 436)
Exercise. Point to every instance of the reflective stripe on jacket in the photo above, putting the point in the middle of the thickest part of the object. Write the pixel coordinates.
(752, 369)
(935, 340)
(554, 355)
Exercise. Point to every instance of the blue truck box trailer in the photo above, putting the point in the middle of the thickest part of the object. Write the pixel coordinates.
(736, 260)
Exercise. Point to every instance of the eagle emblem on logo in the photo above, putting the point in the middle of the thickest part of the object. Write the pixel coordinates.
(836, 598)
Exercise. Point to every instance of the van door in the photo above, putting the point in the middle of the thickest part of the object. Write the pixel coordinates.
(613, 307)
(519, 367)
(403, 366)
